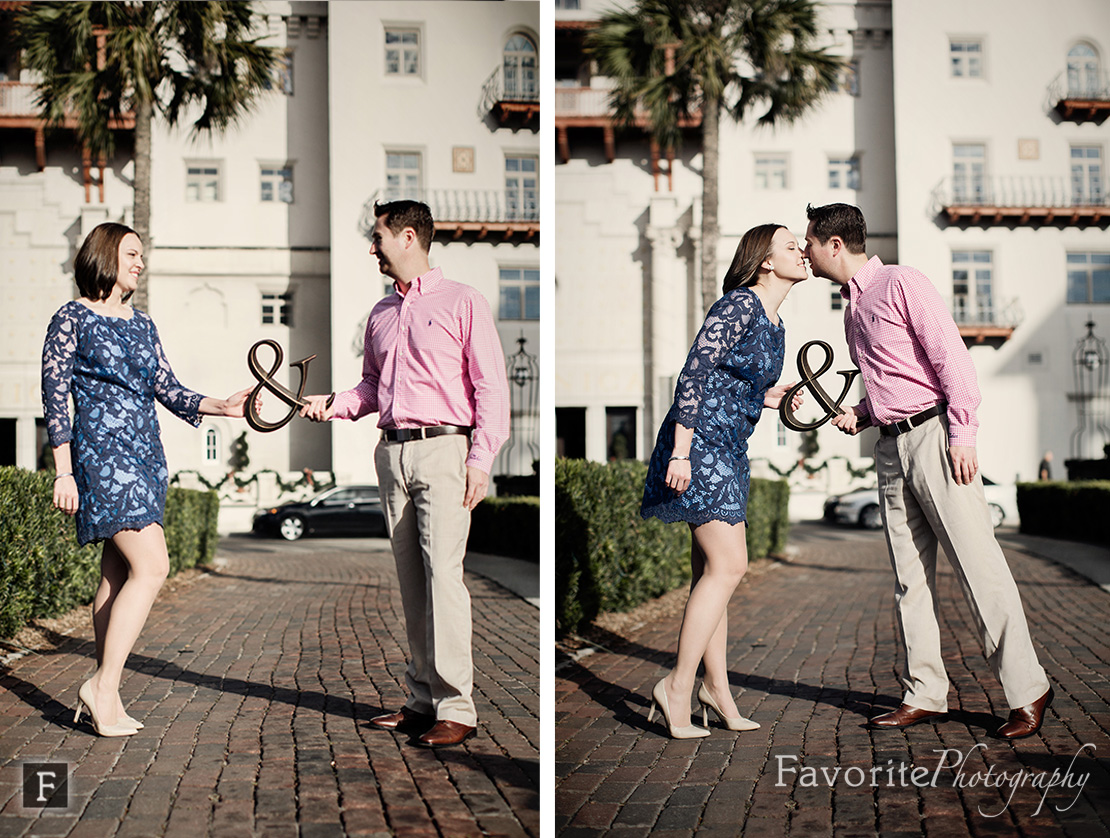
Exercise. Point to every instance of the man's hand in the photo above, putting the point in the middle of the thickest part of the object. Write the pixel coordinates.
(477, 486)
(848, 421)
(317, 409)
(964, 463)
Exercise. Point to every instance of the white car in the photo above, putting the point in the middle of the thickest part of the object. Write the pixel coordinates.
(861, 508)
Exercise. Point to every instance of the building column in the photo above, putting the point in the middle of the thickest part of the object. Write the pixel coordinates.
(26, 443)
(664, 334)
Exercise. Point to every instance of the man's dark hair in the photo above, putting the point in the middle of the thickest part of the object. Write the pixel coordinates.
(842, 220)
(402, 213)
(96, 266)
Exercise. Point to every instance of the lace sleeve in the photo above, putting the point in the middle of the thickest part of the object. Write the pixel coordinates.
(725, 324)
(183, 402)
(57, 373)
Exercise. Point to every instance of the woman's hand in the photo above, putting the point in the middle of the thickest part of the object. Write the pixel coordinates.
(773, 399)
(678, 475)
(65, 494)
(235, 404)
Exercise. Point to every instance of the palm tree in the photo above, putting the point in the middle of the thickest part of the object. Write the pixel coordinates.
(674, 61)
(101, 60)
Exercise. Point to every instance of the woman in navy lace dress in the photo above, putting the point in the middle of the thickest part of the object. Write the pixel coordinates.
(111, 470)
(699, 469)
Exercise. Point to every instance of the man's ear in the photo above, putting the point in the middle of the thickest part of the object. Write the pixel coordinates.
(837, 244)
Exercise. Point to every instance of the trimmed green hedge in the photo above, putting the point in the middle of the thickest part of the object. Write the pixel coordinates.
(607, 558)
(1079, 510)
(508, 526)
(43, 571)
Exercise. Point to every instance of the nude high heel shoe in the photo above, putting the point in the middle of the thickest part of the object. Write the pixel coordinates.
(659, 701)
(737, 723)
(85, 702)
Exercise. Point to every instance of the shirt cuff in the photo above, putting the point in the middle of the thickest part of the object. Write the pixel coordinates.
(481, 460)
(345, 405)
(961, 436)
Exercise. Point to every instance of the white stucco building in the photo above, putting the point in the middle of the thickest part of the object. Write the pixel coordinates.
(259, 233)
(927, 85)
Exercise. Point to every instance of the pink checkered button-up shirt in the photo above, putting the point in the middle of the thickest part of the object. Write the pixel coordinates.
(902, 337)
(433, 358)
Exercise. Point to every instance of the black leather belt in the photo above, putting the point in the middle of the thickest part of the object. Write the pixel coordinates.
(913, 421)
(409, 434)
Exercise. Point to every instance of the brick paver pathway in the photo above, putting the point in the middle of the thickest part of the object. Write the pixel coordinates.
(256, 685)
(812, 647)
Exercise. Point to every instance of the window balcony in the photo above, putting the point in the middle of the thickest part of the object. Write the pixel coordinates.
(512, 99)
(1084, 99)
(19, 110)
(470, 215)
(986, 324)
(1019, 201)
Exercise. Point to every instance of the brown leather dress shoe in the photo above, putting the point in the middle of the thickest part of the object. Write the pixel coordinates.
(445, 733)
(404, 720)
(1027, 720)
(904, 716)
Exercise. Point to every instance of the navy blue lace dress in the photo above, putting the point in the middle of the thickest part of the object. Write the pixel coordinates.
(115, 369)
(735, 359)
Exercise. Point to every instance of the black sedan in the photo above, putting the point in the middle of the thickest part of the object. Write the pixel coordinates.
(344, 510)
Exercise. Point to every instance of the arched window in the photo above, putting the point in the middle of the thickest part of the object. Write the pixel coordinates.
(211, 446)
(519, 61)
(1083, 71)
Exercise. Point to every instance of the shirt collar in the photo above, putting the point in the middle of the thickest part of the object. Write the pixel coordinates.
(864, 276)
(424, 283)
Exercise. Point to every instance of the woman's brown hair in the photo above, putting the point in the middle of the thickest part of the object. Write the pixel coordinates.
(754, 248)
(96, 266)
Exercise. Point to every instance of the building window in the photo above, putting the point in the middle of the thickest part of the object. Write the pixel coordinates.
(972, 294)
(771, 171)
(211, 445)
(283, 74)
(1084, 72)
(1088, 278)
(836, 300)
(202, 182)
(969, 171)
(277, 183)
(277, 308)
(402, 52)
(402, 175)
(620, 433)
(570, 432)
(847, 78)
(780, 432)
(966, 58)
(520, 294)
(521, 188)
(844, 172)
(519, 62)
(568, 4)
(1086, 175)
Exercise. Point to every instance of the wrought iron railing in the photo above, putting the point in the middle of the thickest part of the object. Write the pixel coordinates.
(501, 87)
(986, 313)
(1086, 86)
(461, 206)
(1027, 191)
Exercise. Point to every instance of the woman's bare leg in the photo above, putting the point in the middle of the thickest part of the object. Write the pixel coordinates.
(722, 554)
(148, 563)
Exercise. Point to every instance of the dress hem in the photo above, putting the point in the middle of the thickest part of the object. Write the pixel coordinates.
(107, 531)
(697, 522)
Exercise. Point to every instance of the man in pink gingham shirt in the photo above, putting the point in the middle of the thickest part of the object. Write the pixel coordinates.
(434, 372)
(921, 392)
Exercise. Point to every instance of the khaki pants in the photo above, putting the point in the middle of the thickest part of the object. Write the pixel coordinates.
(922, 505)
(423, 483)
